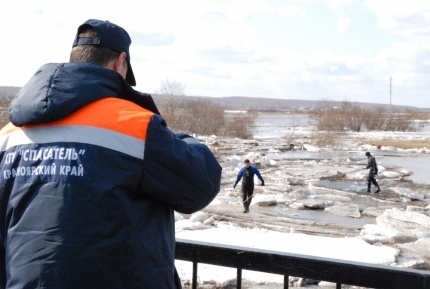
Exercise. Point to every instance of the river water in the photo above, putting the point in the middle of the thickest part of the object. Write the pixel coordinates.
(281, 126)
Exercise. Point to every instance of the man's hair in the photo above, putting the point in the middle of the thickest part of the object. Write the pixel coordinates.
(367, 154)
(91, 53)
(247, 161)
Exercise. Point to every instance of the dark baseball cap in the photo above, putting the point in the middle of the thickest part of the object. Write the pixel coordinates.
(108, 35)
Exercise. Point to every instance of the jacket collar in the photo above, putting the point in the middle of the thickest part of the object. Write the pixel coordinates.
(59, 89)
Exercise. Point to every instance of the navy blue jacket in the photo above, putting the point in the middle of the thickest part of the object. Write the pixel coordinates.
(247, 176)
(90, 176)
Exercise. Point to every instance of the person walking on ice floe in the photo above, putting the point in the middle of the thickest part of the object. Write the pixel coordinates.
(246, 174)
(373, 173)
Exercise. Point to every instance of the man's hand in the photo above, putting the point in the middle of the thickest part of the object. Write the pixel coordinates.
(262, 183)
(234, 186)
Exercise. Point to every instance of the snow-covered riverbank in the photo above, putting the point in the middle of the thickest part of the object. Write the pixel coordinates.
(315, 202)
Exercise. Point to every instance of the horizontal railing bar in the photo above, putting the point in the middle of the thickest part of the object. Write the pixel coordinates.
(312, 267)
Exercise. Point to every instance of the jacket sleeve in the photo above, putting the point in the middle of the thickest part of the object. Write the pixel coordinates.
(2, 266)
(375, 166)
(4, 199)
(178, 170)
(239, 175)
(257, 172)
(369, 164)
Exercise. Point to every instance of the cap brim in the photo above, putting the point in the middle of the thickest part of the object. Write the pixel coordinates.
(130, 75)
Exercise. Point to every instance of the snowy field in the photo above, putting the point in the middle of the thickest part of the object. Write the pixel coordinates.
(315, 201)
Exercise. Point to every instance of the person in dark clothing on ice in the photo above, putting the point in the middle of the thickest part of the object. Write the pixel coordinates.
(247, 173)
(373, 172)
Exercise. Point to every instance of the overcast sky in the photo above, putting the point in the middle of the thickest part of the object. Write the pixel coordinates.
(297, 49)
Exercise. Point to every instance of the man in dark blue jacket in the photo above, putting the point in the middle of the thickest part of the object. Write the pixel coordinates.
(90, 175)
(246, 174)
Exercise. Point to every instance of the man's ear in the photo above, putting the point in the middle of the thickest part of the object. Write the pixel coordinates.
(119, 66)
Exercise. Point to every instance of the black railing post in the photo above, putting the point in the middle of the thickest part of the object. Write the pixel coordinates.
(194, 285)
(239, 278)
(286, 281)
(338, 286)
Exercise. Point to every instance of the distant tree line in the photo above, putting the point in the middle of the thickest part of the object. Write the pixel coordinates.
(200, 115)
(351, 117)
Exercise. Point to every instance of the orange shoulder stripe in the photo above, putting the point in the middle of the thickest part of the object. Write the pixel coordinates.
(110, 113)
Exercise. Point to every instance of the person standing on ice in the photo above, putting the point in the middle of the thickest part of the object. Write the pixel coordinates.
(246, 174)
(373, 172)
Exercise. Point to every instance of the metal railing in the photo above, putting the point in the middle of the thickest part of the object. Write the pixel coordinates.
(286, 264)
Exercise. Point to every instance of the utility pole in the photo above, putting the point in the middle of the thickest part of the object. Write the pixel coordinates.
(391, 85)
